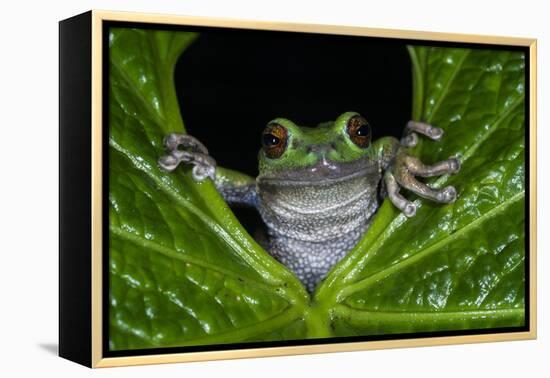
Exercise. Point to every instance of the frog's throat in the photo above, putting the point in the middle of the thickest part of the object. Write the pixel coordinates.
(325, 172)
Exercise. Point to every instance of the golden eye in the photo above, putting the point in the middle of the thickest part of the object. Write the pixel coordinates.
(359, 131)
(274, 140)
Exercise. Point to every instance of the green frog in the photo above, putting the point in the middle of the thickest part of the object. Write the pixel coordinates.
(319, 188)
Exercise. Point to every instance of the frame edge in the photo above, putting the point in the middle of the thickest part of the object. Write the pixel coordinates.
(157, 18)
(99, 16)
(74, 214)
(97, 188)
(533, 188)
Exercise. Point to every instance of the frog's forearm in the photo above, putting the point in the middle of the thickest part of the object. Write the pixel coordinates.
(385, 150)
(235, 187)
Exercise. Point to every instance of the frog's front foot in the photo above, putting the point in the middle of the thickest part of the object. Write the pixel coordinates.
(183, 148)
(406, 168)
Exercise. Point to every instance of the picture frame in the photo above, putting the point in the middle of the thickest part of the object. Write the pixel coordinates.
(94, 332)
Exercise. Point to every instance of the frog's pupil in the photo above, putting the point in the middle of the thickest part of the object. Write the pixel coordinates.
(363, 130)
(270, 140)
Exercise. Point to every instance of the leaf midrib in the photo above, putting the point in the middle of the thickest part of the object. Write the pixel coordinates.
(283, 318)
(139, 241)
(501, 117)
(146, 104)
(369, 315)
(445, 89)
(392, 269)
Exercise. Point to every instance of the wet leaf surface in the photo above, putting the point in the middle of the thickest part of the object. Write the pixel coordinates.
(184, 272)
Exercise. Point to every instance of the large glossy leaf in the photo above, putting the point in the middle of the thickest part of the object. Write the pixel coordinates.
(182, 269)
(184, 272)
(458, 266)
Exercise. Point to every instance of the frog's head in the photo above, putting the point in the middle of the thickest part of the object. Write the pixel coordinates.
(330, 151)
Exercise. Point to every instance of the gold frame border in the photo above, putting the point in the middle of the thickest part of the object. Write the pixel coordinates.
(96, 130)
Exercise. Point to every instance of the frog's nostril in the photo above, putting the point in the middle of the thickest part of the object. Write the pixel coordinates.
(321, 148)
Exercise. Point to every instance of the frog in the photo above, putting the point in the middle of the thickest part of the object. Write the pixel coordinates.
(319, 188)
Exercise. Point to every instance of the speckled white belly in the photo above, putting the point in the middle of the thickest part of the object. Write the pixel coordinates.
(312, 227)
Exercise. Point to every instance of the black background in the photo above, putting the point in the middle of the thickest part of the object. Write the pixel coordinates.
(230, 83)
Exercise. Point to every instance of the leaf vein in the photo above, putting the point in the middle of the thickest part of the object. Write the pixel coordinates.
(180, 256)
(447, 87)
(392, 269)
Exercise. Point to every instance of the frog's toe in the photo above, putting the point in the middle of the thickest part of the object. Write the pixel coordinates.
(168, 162)
(202, 172)
(426, 129)
(454, 165)
(409, 140)
(409, 210)
(434, 133)
(173, 142)
(447, 195)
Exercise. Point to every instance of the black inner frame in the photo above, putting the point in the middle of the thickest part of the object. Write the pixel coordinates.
(266, 344)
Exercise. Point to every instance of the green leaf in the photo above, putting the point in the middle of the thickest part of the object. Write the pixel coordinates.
(458, 266)
(184, 272)
(182, 269)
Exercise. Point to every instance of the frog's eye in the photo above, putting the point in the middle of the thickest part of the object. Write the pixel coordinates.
(274, 140)
(359, 131)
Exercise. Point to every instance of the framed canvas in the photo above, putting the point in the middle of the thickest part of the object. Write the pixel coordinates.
(236, 188)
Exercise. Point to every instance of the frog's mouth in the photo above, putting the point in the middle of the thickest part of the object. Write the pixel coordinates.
(325, 172)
